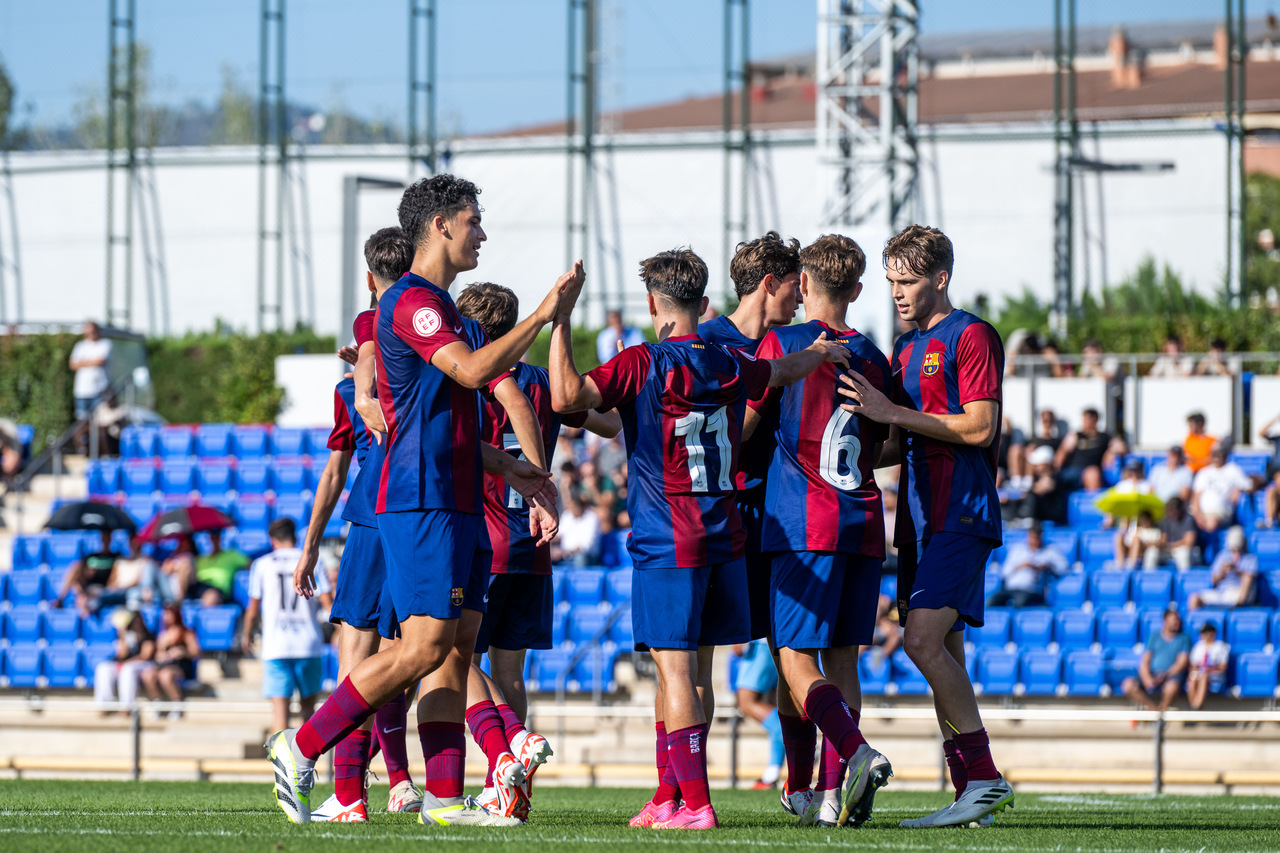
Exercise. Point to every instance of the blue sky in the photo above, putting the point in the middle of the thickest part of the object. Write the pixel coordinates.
(501, 62)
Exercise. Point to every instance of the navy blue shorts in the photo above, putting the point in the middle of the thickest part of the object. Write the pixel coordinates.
(758, 571)
(518, 615)
(361, 576)
(824, 599)
(438, 562)
(687, 608)
(946, 570)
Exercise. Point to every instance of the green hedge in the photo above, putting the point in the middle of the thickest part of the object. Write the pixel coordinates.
(35, 384)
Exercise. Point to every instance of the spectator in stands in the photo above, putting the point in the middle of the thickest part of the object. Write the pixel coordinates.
(87, 579)
(1172, 477)
(1234, 578)
(178, 570)
(1198, 443)
(135, 649)
(1027, 570)
(11, 452)
(177, 651)
(134, 580)
(1163, 665)
(1179, 538)
(1216, 490)
(1208, 666)
(1094, 364)
(1084, 453)
(1048, 431)
(1131, 481)
(1134, 542)
(616, 331)
(89, 360)
(756, 684)
(611, 457)
(1011, 463)
(1053, 366)
(579, 536)
(887, 638)
(110, 417)
(1046, 499)
(1172, 363)
(216, 572)
(1214, 362)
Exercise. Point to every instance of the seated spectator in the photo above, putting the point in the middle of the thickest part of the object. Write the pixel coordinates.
(1216, 490)
(1048, 431)
(178, 570)
(757, 683)
(135, 649)
(1011, 463)
(1214, 362)
(1172, 363)
(1208, 666)
(1046, 498)
(110, 417)
(1198, 444)
(177, 651)
(1027, 571)
(1094, 364)
(888, 631)
(1135, 541)
(1052, 356)
(87, 578)
(579, 536)
(1179, 539)
(1163, 666)
(1131, 481)
(1084, 453)
(134, 580)
(216, 572)
(1235, 572)
(1172, 477)
(611, 457)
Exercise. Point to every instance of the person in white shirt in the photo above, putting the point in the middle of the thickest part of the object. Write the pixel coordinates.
(1235, 575)
(1172, 477)
(1173, 363)
(292, 646)
(579, 538)
(89, 359)
(1208, 669)
(1027, 570)
(1216, 490)
(613, 332)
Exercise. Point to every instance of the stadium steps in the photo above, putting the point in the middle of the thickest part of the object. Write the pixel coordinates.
(38, 502)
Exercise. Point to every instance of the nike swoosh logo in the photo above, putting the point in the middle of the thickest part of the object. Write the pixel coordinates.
(914, 594)
(396, 729)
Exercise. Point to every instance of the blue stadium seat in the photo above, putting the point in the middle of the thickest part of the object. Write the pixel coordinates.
(1247, 629)
(251, 477)
(289, 477)
(1149, 622)
(318, 442)
(586, 623)
(597, 664)
(213, 439)
(1275, 629)
(1253, 464)
(624, 555)
(1068, 590)
(151, 615)
(1074, 629)
(22, 624)
(621, 633)
(333, 529)
(584, 586)
(168, 502)
(240, 588)
(141, 508)
(249, 441)
(547, 666)
(288, 441)
(102, 476)
(1197, 618)
(139, 442)
(1096, 548)
(1032, 627)
(907, 676)
(251, 514)
(559, 625)
(1122, 665)
(1065, 540)
(1082, 510)
(1266, 545)
(1117, 629)
(22, 665)
(65, 548)
(1109, 589)
(994, 632)
(97, 630)
(28, 589)
(1040, 672)
(29, 552)
(138, 477)
(1152, 588)
(617, 586)
(176, 441)
(213, 476)
(1256, 674)
(61, 627)
(93, 655)
(216, 627)
(991, 580)
(873, 673)
(254, 543)
(177, 476)
(293, 506)
(62, 666)
(889, 586)
(1192, 580)
(1269, 589)
(330, 678)
(1084, 673)
(997, 671)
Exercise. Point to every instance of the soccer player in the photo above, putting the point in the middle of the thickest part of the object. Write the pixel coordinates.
(823, 528)
(766, 278)
(429, 505)
(292, 646)
(682, 401)
(519, 612)
(947, 373)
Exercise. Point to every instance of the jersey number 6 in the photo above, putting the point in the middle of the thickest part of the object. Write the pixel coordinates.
(834, 444)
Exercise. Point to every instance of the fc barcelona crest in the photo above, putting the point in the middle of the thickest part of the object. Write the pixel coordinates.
(456, 596)
(932, 361)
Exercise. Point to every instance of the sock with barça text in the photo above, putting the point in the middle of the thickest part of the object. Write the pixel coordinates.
(688, 758)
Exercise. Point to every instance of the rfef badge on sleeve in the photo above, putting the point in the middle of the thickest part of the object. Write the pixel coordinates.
(932, 361)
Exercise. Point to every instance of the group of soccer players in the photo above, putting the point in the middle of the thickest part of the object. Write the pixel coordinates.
(755, 513)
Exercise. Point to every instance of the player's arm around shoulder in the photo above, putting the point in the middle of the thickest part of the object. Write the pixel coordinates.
(789, 369)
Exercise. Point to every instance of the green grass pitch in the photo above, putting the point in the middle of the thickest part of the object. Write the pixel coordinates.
(194, 817)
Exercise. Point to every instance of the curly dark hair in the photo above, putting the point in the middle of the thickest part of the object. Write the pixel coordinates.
(439, 195)
(678, 275)
(767, 255)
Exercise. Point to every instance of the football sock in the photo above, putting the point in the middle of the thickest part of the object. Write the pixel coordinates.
(444, 746)
(955, 765)
(390, 723)
(799, 738)
(486, 730)
(975, 750)
(511, 723)
(687, 749)
(777, 749)
(668, 787)
(350, 761)
(340, 715)
(825, 705)
(830, 768)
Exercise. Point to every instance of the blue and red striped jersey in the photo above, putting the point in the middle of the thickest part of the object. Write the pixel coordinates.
(433, 423)
(363, 496)
(754, 455)
(505, 511)
(946, 486)
(682, 402)
(821, 492)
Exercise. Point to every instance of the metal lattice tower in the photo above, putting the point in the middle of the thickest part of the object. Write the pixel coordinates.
(271, 127)
(1066, 148)
(421, 136)
(582, 111)
(121, 143)
(737, 146)
(1237, 52)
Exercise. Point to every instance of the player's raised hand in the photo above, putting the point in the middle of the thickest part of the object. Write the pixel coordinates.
(349, 354)
(304, 574)
(867, 399)
(832, 351)
(563, 295)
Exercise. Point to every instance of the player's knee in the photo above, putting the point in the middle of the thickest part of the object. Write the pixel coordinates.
(922, 649)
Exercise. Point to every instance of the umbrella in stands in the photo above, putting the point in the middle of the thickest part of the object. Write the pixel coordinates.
(90, 515)
(184, 521)
(1130, 504)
